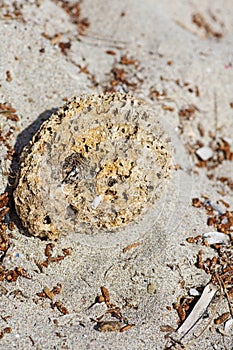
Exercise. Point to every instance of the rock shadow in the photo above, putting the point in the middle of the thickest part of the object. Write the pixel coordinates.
(22, 140)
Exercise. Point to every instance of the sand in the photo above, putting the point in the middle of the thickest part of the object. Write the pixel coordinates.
(178, 57)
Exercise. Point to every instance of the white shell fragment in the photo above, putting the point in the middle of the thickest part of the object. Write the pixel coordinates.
(205, 153)
(216, 238)
(98, 164)
(193, 292)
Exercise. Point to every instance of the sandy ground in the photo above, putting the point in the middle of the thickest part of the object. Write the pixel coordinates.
(178, 56)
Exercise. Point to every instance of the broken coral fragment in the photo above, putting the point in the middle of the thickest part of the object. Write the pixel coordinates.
(97, 164)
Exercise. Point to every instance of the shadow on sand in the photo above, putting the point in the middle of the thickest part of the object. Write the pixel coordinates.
(22, 140)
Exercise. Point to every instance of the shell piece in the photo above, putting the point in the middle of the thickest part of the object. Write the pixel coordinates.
(96, 165)
(205, 153)
(216, 238)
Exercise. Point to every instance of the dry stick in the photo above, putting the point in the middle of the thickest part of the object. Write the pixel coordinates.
(198, 310)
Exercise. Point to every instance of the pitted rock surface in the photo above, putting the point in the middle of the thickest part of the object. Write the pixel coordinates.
(98, 164)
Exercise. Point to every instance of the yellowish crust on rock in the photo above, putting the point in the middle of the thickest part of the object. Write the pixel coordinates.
(97, 164)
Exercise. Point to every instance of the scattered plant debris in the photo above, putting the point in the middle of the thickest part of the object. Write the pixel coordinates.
(73, 9)
(60, 307)
(52, 259)
(7, 111)
(124, 76)
(6, 274)
(221, 220)
(50, 294)
(199, 20)
(12, 11)
(131, 246)
(5, 331)
(121, 325)
(219, 267)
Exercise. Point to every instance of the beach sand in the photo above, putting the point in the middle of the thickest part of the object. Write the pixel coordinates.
(177, 56)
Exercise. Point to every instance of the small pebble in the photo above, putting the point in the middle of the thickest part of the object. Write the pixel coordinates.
(193, 292)
(151, 288)
(205, 153)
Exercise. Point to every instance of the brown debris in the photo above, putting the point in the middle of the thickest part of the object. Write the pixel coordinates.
(49, 249)
(155, 94)
(183, 306)
(224, 203)
(167, 328)
(128, 61)
(219, 267)
(221, 319)
(112, 326)
(47, 293)
(200, 21)
(130, 246)
(57, 290)
(222, 222)
(51, 259)
(22, 272)
(123, 75)
(74, 11)
(193, 239)
(60, 307)
(108, 326)
(114, 311)
(8, 76)
(126, 327)
(168, 108)
(50, 294)
(5, 331)
(67, 251)
(57, 40)
(106, 295)
(3, 213)
(188, 112)
(7, 110)
(111, 52)
(197, 203)
(13, 11)
(4, 238)
(64, 46)
(218, 148)
(221, 152)
(201, 129)
(11, 276)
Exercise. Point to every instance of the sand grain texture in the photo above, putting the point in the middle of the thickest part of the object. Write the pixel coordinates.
(176, 56)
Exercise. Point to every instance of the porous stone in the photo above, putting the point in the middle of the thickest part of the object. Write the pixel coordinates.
(98, 164)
